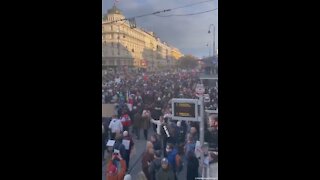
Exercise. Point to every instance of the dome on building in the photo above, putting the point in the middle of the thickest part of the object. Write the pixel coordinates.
(114, 10)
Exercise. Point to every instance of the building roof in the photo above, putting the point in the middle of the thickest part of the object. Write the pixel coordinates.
(114, 10)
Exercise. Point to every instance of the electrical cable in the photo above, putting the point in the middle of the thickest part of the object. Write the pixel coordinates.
(191, 14)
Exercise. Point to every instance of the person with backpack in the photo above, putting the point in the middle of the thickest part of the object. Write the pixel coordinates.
(119, 146)
(155, 165)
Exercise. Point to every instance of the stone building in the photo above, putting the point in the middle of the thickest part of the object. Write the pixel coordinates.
(132, 48)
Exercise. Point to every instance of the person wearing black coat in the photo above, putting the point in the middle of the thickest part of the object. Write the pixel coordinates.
(192, 166)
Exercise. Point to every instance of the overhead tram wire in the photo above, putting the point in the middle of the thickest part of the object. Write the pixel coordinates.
(191, 5)
(191, 14)
(157, 12)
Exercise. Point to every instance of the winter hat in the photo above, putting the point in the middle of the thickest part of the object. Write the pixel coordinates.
(179, 123)
(164, 161)
(127, 177)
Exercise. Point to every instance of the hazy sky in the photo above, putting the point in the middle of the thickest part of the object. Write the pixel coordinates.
(188, 33)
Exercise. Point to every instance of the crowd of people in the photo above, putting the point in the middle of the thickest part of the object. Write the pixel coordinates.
(143, 103)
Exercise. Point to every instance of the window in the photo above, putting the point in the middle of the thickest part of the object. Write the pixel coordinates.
(132, 50)
(124, 36)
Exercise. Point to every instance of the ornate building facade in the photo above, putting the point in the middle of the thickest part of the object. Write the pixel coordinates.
(131, 48)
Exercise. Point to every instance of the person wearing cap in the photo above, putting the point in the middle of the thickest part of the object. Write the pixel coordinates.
(116, 168)
(127, 137)
(165, 172)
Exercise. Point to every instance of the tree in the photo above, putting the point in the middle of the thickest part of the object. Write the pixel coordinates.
(188, 62)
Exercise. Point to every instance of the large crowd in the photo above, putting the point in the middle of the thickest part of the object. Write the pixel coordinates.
(143, 102)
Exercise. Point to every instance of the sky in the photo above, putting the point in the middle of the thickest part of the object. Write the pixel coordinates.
(187, 33)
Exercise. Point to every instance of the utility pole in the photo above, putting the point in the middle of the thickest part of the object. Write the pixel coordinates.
(214, 36)
(202, 121)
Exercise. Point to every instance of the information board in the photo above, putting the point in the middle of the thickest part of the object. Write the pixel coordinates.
(185, 109)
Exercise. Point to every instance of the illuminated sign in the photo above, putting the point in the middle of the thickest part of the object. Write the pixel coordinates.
(185, 109)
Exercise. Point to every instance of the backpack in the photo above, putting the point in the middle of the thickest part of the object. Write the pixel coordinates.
(179, 163)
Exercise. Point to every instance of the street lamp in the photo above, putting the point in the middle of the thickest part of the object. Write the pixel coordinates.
(214, 37)
(209, 47)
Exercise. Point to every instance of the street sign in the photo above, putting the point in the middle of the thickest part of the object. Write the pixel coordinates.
(185, 109)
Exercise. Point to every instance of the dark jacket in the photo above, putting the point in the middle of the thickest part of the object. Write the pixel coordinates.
(211, 136)
(192, 168)
(156, 145)
(119, 146)
(145, 123)
(137, 120)
(154, 168)
(180, 134)
(166, 174)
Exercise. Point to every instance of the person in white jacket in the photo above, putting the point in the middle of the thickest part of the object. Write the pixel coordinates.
(115, 126)
(158, 123)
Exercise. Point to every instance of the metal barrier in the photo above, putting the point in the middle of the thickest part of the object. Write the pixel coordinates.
(206, 178)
